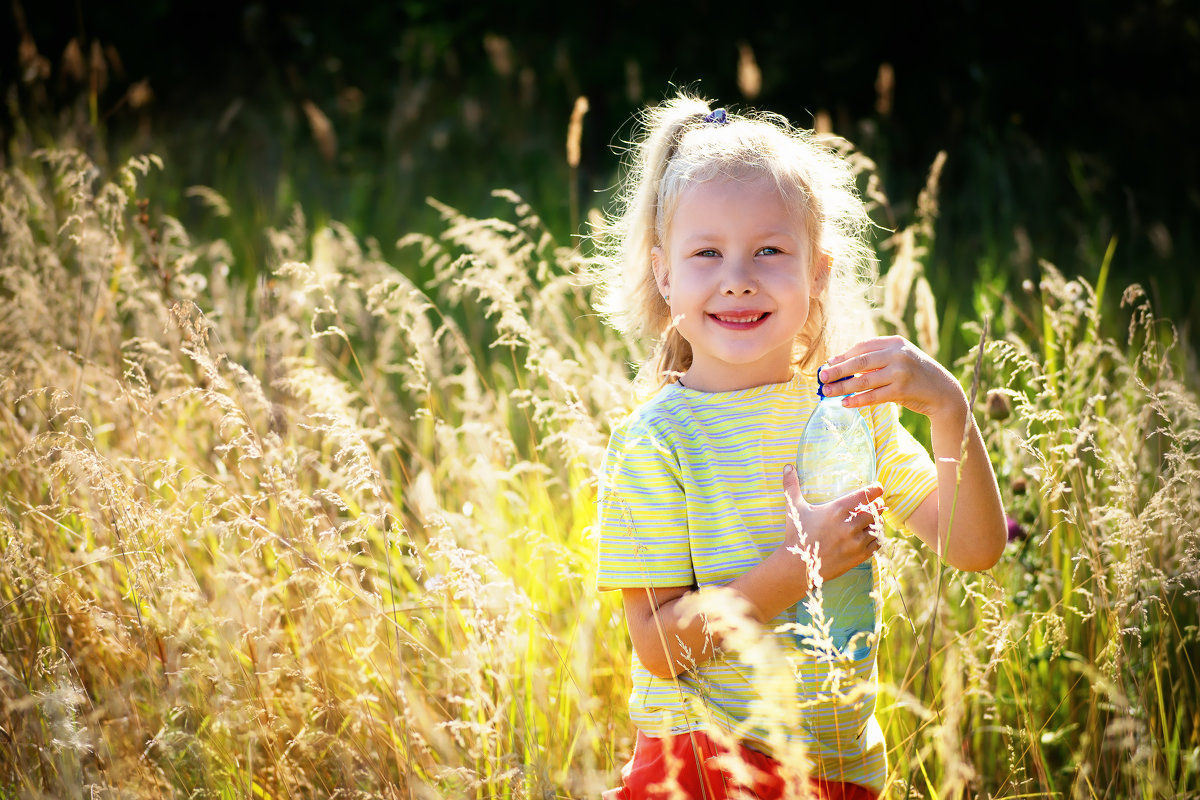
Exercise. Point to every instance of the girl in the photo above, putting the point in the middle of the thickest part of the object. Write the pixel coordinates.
(739, 247)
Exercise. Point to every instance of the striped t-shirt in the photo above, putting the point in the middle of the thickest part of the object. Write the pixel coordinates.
(691, 494)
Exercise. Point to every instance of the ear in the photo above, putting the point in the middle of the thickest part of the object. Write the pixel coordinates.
(662, 275)
(821, 270)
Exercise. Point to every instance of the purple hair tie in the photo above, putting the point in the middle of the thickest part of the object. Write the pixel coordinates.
(717, 117)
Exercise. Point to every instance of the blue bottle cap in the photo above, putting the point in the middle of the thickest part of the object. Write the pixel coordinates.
(821, 384)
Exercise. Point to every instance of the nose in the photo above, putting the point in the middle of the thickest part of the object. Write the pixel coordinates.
(737, 280)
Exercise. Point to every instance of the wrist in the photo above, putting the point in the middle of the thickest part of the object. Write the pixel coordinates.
(780, 581)
(800, 562)
(953, 409)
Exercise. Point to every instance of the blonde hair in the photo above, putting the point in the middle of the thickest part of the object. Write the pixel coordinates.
(675, 149)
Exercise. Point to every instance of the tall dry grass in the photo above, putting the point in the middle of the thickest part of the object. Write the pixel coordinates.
(328, 536)
(322, 537)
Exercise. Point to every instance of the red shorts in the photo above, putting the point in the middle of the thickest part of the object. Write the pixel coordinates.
(688, 760)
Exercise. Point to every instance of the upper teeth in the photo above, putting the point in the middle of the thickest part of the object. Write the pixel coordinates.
(748, 318)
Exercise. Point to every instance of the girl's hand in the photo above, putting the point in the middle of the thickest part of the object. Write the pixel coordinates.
(839, 535)
(893, 369)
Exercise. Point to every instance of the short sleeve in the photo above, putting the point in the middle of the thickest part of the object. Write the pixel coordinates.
(642, 514)
(904, 466)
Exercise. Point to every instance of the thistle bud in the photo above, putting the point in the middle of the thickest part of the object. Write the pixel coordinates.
(999, 407)
(1015, 532)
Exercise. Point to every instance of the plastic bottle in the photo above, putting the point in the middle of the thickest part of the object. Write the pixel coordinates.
(837, 455)
(837, 450)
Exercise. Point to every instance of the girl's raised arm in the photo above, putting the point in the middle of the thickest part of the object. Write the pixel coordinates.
(893, 369)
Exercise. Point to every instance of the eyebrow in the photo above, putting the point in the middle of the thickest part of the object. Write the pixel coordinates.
(780, 233)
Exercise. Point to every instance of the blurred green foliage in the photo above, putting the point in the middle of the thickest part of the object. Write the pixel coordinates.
(1066, 124)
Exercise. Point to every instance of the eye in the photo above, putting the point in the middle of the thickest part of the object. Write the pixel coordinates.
(707, 253)
(769, 251)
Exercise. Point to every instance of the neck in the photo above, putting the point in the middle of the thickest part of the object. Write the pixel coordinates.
(706, 383)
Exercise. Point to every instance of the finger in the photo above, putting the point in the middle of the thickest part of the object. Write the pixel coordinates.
(864, 346)
(864, 507)
(871, 345)
(868, 520)
(863, 496)
(791, 487)
(864, 521)
(864, 513)
(847, 364)
(885, 375)
(791, 481)
(873, 396)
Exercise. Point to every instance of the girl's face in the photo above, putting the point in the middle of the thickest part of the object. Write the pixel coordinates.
(736, 269)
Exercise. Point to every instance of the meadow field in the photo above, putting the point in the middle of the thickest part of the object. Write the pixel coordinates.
(329, 533)
(291, 511)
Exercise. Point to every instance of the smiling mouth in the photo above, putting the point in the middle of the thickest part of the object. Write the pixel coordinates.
(741, 320)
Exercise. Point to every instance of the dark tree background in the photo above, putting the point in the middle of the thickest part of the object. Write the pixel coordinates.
(1066, 123)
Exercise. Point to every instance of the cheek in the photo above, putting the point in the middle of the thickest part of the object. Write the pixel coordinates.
(802, 310)
(801, 290)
